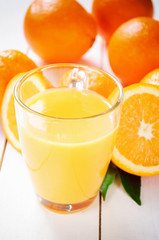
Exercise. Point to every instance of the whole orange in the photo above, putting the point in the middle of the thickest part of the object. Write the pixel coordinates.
(110, 14)
(133, 49)
(11, 63)
(59, 30)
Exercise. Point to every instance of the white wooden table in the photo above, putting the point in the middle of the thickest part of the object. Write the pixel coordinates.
(22, 217)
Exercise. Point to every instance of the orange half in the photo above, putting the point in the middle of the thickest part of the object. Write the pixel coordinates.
(137, 145)
(152, 77)
(94, 81)
(32, 86)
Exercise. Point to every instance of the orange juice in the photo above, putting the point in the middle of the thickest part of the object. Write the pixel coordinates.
(68, 160)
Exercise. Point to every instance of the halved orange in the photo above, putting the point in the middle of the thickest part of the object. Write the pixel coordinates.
(33, 85)
(114, 96)
(137, 145)
(94, 81)
(152, 77)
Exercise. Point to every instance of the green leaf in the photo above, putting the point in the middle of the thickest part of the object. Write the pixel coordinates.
(108, 180)
(131, 184)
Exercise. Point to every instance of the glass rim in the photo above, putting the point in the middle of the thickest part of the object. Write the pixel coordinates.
(67, 65)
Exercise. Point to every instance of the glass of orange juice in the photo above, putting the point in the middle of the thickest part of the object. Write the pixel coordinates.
(67, 132)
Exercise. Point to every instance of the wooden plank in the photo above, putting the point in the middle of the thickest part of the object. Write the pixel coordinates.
(83, 225)
(121, 217)
(2, 144)
(22, 217)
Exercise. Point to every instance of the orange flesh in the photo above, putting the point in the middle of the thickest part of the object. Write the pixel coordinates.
(134, 145)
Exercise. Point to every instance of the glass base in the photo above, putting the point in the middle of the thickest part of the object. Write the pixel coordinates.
(65, 208)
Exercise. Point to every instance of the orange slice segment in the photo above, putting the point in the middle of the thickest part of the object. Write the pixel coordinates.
(152, 77)
(137, 145)
(32, 86)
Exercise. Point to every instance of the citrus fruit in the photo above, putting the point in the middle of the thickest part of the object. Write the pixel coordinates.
(11, 63)
(133, 49)
(152, 77)
(59, 31)
(110, 14)
(137, 144)
(114, 96)
(96, 82)
(32, 86)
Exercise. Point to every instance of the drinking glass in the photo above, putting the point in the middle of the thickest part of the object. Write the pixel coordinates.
(67, 157)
